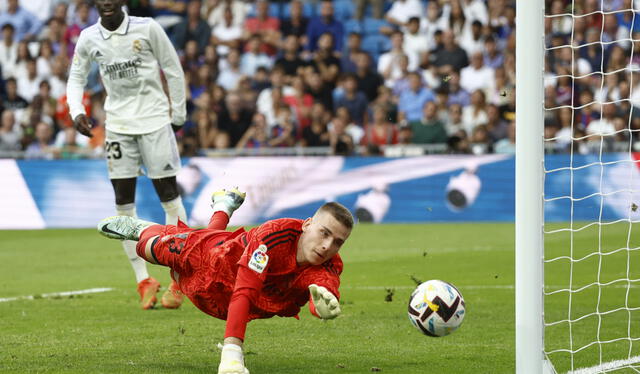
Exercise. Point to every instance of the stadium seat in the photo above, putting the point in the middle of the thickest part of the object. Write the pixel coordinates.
(371, 26)
(308, 10)
(352, 25)
(373, 45)
(343, 10)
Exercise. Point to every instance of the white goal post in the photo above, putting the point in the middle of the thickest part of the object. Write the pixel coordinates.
(577, 255)
(529, 186)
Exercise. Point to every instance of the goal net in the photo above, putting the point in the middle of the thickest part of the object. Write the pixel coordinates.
(591, 195)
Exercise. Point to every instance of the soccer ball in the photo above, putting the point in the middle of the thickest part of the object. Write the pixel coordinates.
(436, 308)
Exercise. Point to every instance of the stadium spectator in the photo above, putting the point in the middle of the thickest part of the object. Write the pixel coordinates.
(353, 129)
(265, 27)
(264, 101)
(476, 113)
(226, 35)
(389, 63)
(193, 27)
(401, 11)
(41, 147)
(451, 57)
(8, 51)
(299, 101)
(322, 24)
(169, 13)
(140, 8)
(454, 121)
(416, 43)
(213, 11)
(290, 60)
(496, 126)
(355, 101)
(319, 90)
(12, 100)
(226, 281)
(271, 113)
(605, 124)
(428, 129)
(386, 100)
(368, 79)
(340, 141)
(45, 58)
(316, 134)
(253, 58)
(297, 23)
(55, 33)
(81, 22)
(324, 59)
(412, 101)
(71, 15)
(230, 72)
(26, 25)
(492, 57)
(507, 145)
(379, 131)
(29, 83)
(474, 41)
(283, 134)
(377, 7)
(480, 141)
(457, 94)
(476, 76)
(10, 132)
(234, 119)
(500, 89)
(351, 50)
(257, 134)
(69, 144)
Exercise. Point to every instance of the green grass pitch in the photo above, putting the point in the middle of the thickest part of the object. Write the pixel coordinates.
(107, 333)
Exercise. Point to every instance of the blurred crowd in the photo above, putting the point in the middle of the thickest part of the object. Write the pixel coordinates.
(591, 71)
(352, 76)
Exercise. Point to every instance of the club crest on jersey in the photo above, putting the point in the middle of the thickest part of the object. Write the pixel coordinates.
(137, 46)
(259, 259)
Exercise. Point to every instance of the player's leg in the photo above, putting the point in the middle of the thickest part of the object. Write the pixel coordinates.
(224, 203)
(123, 161)
(160, 156)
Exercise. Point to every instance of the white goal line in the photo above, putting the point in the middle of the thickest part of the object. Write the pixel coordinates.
(56, 294)
(475, 287)
(607, 366)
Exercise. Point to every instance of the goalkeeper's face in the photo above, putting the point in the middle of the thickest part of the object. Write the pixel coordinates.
(322, 237)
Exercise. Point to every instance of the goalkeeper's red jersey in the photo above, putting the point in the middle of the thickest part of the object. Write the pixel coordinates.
(214, 264)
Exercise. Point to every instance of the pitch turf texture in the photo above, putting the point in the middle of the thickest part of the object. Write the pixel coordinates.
(107, 333)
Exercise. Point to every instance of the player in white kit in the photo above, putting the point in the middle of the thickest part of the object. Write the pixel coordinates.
(132, 52)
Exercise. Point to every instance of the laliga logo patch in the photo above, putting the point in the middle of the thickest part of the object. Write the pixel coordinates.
(259, 259)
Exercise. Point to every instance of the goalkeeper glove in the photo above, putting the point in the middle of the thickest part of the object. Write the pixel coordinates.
(326, 304)
(232, 360)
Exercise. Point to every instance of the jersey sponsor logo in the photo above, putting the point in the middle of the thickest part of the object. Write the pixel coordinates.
(121, 70)
(259, 259)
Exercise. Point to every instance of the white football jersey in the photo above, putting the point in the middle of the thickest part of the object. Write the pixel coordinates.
(130, 60)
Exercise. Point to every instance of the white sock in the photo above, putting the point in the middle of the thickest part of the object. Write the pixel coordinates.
(173, 210)
(137, 263)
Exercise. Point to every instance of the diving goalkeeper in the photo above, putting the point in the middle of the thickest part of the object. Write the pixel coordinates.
(273, 269)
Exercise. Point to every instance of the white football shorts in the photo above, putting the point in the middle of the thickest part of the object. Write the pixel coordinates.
(157, 151)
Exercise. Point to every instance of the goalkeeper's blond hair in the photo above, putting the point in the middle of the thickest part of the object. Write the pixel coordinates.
(339, 212)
